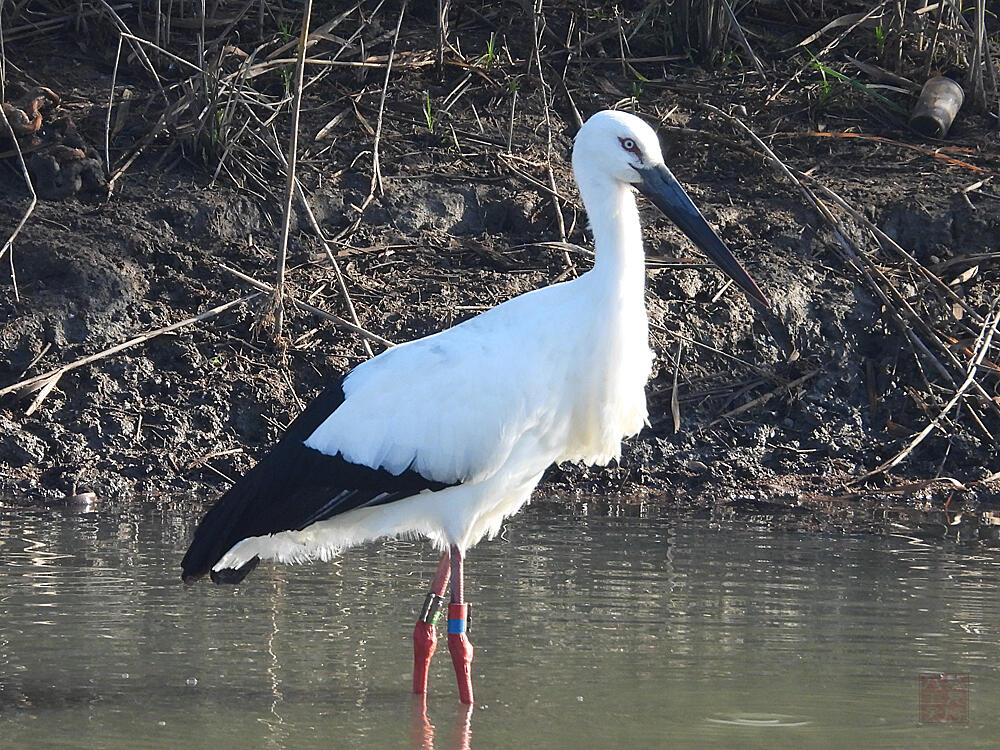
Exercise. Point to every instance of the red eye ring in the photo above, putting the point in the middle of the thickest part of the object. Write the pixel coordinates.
(630, 145)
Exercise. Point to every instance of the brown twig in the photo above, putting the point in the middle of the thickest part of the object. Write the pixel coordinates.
(742, 38)
(850, 254)
(306, 307)
(760, 400)
(887, 241)
(876, 280)
(139, 51)
(8, 245)
(47, 380)
(336, 266)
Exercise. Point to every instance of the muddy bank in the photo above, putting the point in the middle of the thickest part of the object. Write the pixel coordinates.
(463, 224)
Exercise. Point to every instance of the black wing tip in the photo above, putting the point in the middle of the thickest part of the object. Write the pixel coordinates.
(192, 571)
(234, 575)
(224, 576)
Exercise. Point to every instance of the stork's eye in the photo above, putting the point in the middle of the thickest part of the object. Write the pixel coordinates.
(630, 145)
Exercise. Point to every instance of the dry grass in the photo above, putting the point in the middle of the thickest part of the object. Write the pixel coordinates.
(224, 70)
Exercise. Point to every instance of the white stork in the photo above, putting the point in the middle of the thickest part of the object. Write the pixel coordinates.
(446, 436)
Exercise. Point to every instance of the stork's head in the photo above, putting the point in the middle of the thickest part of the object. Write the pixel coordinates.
(617, 144)
(622, 147)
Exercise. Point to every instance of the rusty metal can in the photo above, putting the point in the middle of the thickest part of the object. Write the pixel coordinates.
(939, 102)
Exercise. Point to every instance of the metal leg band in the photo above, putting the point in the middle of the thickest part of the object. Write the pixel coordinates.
(432, 608)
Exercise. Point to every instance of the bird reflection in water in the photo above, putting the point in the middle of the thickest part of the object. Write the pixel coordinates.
(422, 731)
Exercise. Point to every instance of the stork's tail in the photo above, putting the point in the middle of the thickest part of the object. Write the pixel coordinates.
(262, 501)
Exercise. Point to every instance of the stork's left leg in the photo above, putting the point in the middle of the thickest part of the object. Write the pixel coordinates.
(458, 618)
(424, 632)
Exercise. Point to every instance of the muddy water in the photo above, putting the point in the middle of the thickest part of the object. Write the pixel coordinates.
(591, 632)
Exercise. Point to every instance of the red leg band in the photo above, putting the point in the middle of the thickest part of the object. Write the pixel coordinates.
(460, 649)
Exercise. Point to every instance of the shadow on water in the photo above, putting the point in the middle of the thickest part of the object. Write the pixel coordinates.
(592, 630)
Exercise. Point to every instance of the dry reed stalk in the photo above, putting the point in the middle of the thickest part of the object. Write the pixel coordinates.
(443, 7)
(761, 400)
(277, 302)
(111, 102)
(341, 282)
(878, 283)
(742, 38)
(376, 183)
(851, 256)
(675, 408)
(139, 51)
(887, 242)
(538, 22)
(322, 30)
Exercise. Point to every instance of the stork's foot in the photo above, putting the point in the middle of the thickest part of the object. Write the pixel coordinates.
(461, 649)
(425, 641)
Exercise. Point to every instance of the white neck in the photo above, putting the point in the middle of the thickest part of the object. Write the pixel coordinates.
(612, 400)
(614, 219)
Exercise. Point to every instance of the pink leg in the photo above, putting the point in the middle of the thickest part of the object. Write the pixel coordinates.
(458, 641)
(424, 633)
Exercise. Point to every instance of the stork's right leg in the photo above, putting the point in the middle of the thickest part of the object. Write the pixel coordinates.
(458, 619)
(424, 633)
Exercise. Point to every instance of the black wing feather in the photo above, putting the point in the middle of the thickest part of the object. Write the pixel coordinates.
(290, 488)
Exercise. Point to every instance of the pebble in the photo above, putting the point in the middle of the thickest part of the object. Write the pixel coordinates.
(698, 467)
(80, 500)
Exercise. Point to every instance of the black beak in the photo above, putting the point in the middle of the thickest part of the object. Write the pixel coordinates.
(662, 188)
